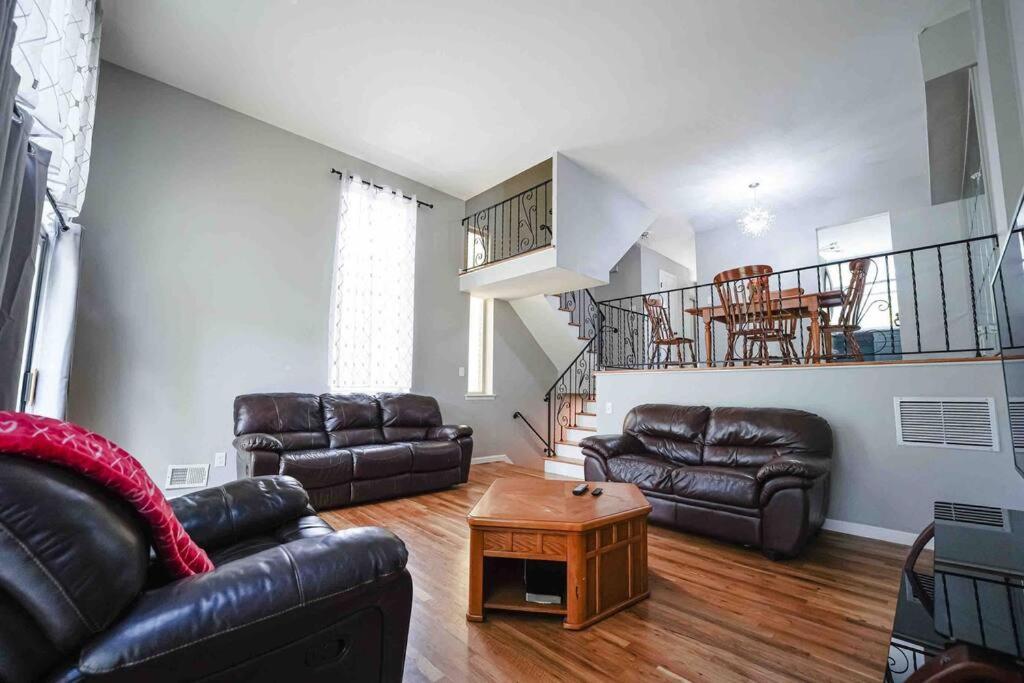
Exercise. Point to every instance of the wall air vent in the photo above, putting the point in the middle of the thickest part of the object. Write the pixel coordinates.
(1017, 422)
(982, 515)
(958, 423)
(186, 476)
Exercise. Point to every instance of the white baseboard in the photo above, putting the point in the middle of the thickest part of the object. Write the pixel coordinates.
(868, 531)
(501, 457)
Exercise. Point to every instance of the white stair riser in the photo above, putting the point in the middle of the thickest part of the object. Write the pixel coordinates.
(565, 450)
(563, 469)
(577, 435)
(590, 407)
(586, 421)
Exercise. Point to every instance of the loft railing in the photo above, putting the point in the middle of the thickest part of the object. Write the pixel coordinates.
(923, 302)
(516, 226)
(577, 383)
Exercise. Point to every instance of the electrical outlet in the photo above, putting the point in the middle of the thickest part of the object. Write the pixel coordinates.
(608, 408)
(220, 459)
(462, 371)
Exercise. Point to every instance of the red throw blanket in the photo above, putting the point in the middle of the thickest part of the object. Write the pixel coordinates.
(99, 459)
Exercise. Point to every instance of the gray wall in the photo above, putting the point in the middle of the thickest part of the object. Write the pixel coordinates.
(792, 241)
(520, 182)
(206, 273)
(875, 481)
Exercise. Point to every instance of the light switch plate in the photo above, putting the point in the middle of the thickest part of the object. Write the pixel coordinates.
(462, 371)
(220, 459)
(608, 408)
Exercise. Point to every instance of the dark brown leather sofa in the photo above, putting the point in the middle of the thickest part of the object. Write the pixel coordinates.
(290, 599)
(351, 448)
(756, 476)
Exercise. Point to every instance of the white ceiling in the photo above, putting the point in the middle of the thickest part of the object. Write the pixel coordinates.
(681, 102)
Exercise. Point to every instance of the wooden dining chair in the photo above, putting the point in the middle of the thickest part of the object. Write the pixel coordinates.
(662, 336)
(751, 319)
(851, 312)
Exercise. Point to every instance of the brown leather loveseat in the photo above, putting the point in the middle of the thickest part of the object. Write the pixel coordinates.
(756, 476)
(351, 448)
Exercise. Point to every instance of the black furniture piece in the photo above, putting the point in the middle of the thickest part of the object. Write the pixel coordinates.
(351, 448)
(756, 476)
(964, 619)
(81, 598)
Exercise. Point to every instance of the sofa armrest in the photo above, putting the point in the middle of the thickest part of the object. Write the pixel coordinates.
(217, 517)
(448, 432)
(612, 445)
(208, 623)
(800, 465)
(258, 442)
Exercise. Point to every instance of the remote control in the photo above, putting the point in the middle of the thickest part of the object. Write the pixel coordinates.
(597, 492)
(580, 490)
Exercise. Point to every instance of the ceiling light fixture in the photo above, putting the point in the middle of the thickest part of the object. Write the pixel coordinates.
(756, 219)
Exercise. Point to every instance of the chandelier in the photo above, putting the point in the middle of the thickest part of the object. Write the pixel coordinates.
(756, 219)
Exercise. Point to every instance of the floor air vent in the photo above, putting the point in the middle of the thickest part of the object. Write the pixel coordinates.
(982, 515)
(961, 423)
(186, 476)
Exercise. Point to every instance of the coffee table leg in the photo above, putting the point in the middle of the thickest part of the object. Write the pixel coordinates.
(576, 581)
(475, 611)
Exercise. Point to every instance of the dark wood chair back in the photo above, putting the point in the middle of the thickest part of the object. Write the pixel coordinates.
(657, 315)
(744, 297)
(854, 303)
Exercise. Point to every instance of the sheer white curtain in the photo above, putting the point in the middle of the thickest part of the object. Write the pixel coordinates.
(371, 327)
(57, 54)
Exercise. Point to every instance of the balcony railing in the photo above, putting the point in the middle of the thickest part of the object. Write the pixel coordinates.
(516, 226)
(922, 302)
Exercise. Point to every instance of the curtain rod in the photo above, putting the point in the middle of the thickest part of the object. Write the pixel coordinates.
(369, 184)
(60, 216)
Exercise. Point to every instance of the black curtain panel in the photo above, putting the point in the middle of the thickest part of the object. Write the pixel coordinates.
(16, 295)
(23, 169)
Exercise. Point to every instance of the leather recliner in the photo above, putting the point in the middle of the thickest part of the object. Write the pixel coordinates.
(755, 476)
(351, 448)
(82, 598)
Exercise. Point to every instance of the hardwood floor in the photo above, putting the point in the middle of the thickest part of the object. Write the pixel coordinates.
(717, 612)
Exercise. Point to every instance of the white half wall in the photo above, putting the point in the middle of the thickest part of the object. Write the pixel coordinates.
(596, 221)
(875, 483)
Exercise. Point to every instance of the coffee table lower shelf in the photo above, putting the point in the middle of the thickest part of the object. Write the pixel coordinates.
(507, 593)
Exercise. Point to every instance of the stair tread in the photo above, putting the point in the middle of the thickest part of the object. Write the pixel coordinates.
(588, 414)
(564, 460)
(583, 429)
(566, 442)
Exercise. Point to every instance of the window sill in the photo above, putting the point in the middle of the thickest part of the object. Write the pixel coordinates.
(480, 397)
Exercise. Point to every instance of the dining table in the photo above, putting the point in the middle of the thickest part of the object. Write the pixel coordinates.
(791, 302)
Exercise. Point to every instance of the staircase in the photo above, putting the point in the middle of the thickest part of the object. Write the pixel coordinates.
(568, 458)
(572, 400)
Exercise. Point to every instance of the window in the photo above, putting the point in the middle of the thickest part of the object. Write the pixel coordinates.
(867, 236)
(374, 283)
(481, 347)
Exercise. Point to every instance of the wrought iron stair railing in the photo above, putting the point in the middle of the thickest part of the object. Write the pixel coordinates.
(577, 384)
(515, 226)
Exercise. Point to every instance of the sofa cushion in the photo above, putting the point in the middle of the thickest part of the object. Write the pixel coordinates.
(750, 437)
(382, 460)
(351, 419)
(293, 419)
(673, 432)
(429, 456)
(726, 485)
(407, 417)
(649, 473)
(317, 468)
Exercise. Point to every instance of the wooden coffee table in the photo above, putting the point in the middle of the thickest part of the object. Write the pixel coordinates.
(602, 540)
